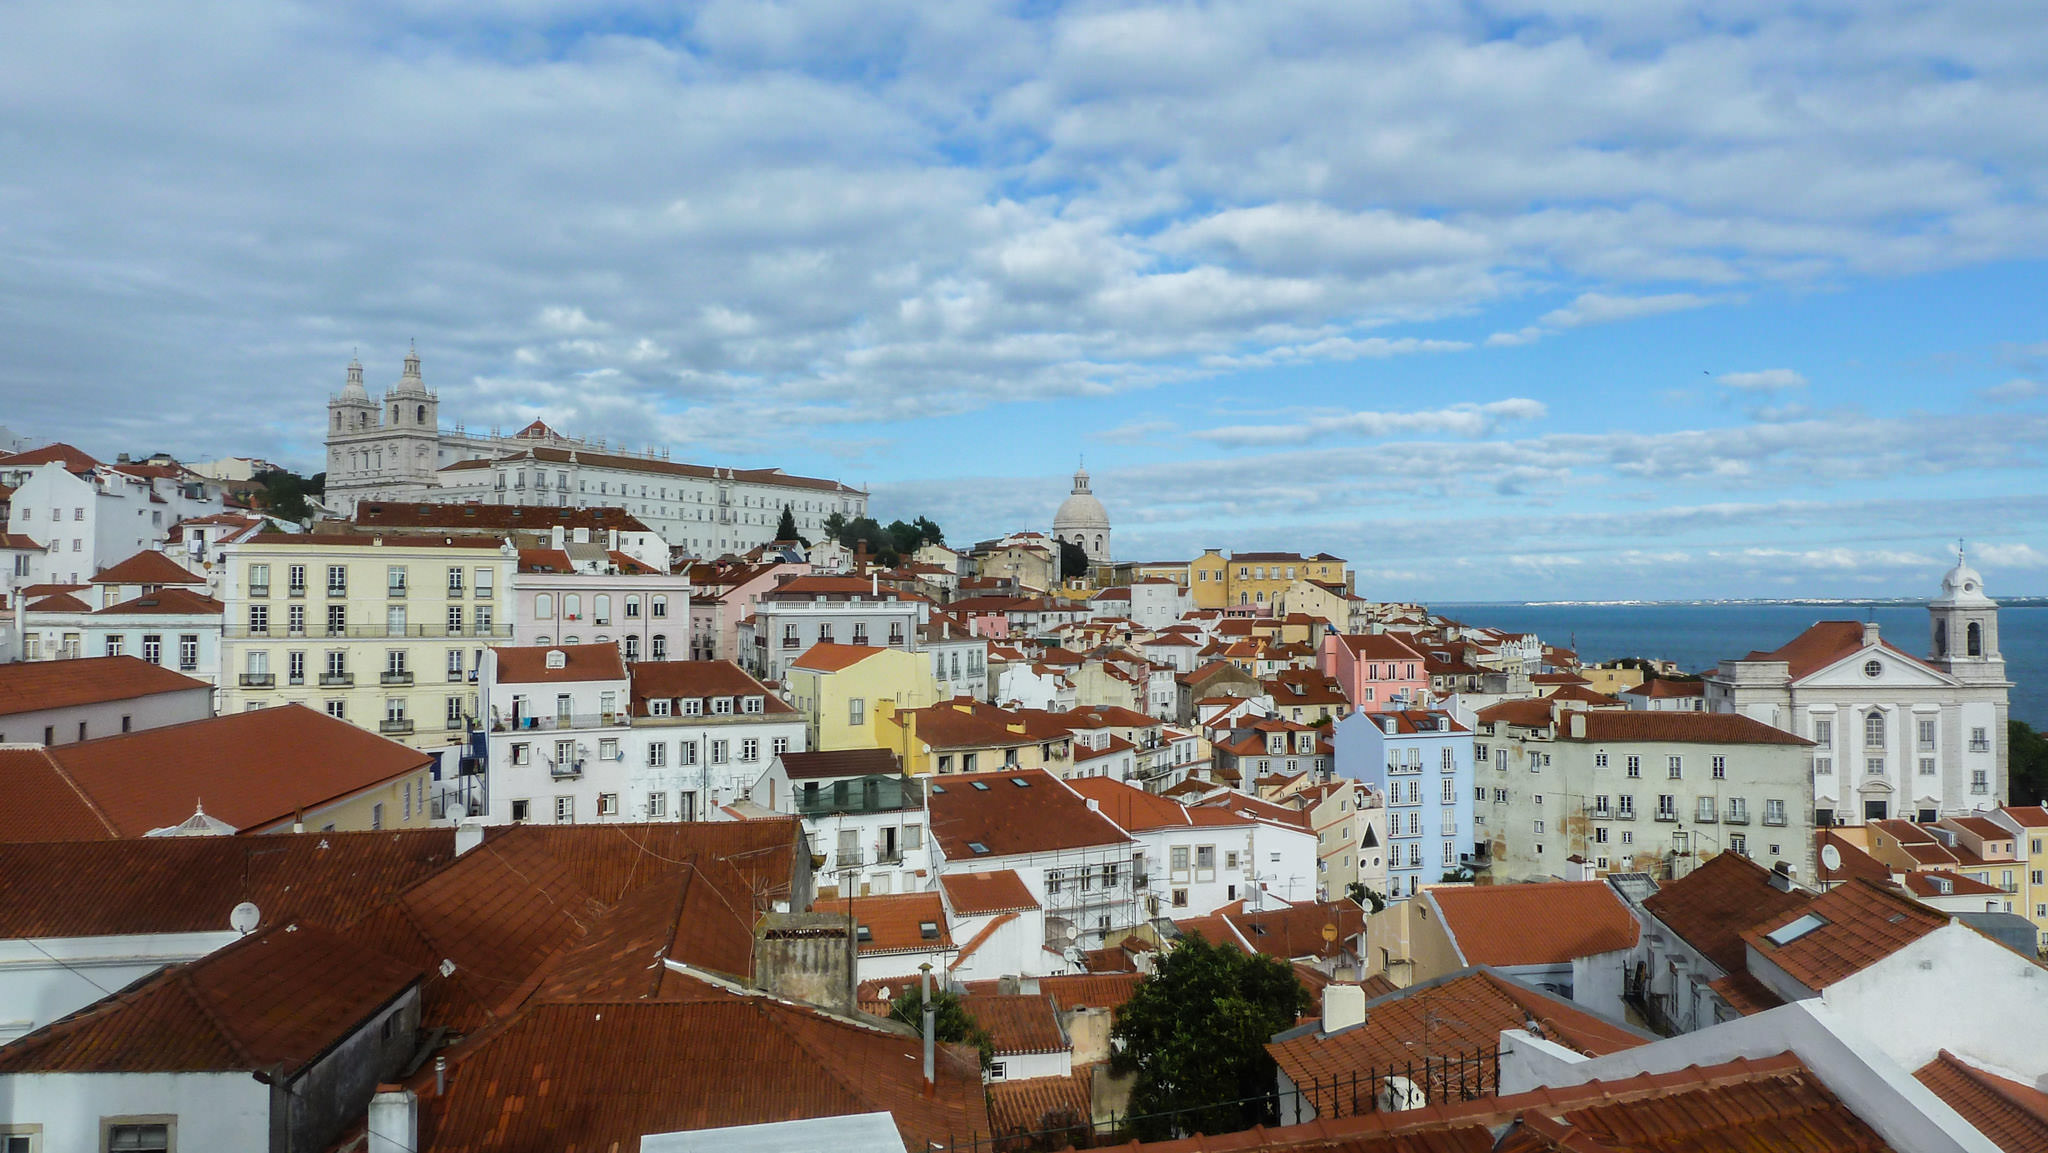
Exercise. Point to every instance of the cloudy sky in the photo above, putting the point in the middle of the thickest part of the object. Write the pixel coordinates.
(1599, 298)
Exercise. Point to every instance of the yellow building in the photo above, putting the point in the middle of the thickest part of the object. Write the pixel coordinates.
(2029, 826)
(385, 632)
(1259, 579)
(1611, 679)
(962, 736)
(841, 691)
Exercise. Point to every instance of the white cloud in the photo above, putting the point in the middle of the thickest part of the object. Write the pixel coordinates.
(1989, 554)
(1763, 380)
(1600, 308)
(1469, 420)
(2017, 389)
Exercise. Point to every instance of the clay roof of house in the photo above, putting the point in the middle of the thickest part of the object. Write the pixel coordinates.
(1547, 923)
(1377, 647)
(148, 567)
(1558, 679)
(840, 763)
(500, 517)
(1136, 810)
(60, 603)
(1304, 687)
(829, 657)
(1981, 826)
(1018, 1022)
(1040, 1104)
(1461, 1014)
(1247, 808)
(896, 922)
(1744, 993)
(528, 664)
(35, 686)
(1855, 862)
(1683, 728)
(1420, 721)
(964, 723)
(73, 459)
(1004, 816)
(2013, 1115)
(1527, 713)
(1661, 689)
(979, 894)
(1822, 644)
(1711, 906)
(1105, 716)
(2028, 816)
(249, 769)
(277, 998)
(16, 540)
(1861, 923)
(772, 476)
(1106, 990)
(91, 888)
(545, 560)
(169, 601)
(675, 680)
(1928, 883)
(1285, 933)
(599, 1075)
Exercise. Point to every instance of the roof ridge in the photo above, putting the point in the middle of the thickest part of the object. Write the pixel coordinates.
(181, 979)
(49, 755)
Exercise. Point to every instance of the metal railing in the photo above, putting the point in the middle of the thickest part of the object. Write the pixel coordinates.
(337, 680)
(384, 632)
(259, 590)
(394, 677)
(550, 723)
(564, 771)
(395, 726)
(258, 680)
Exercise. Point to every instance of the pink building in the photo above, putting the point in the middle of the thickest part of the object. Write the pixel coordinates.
(1380, 673)
(726, 594)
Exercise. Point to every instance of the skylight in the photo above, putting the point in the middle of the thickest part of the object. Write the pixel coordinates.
(981, 786)
(1020, 782)
(1799, 927)
(929, 930)
(978, 848)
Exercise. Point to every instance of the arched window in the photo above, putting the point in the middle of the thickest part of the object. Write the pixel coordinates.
(572, 639)
(423, 414)
(337, 420)
(1873, 730)
(543, 606)
(543, 640)
(659, 607)
(1973, 639)
(632, 648)
(660, 647)
(1941, 638)
(572, 605)
(633, 606)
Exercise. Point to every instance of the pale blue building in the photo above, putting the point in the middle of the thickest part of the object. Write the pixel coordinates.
(1421, 762)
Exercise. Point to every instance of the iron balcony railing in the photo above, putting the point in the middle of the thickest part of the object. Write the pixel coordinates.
(337, 680)
(259, 680)
(389, 677)
(385, 632)
(565, 770)
(555, 721)
(395, 726)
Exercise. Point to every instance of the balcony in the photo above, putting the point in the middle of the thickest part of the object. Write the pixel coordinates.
(387, 632)
(395, 726)
(296, 679)
(259, 680)
(1771, 819)
(337, 680)
(456, 724)
(848, 859)
(791, 642)
(337, 590)
(1983, 746)
(395, 591)
(1668, 815)
(259, 590)
(565, 770)
(400, 677)
(456, 676)
(295, 591)
(888, 856)
(560, 721)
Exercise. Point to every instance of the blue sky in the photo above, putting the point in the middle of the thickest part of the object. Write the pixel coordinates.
(1498, 300)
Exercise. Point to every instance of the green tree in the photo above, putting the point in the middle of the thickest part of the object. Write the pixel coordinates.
(950, 1020)
(1195, 1033)
(785, 529)
(2028, 766)
(834, 526)
(928, 531)
(285, 494)
(1073, 560)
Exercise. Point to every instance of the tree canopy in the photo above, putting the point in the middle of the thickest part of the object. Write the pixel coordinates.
(285, 494)
(2028, 784)
(889, 544)
(1073, 560)
(1195, 1033)
(950, 1020)
(785, 529)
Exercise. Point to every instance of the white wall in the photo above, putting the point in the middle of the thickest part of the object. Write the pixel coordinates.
(104, 719)
(43, 980)
(216, 1112)
(1957, 989)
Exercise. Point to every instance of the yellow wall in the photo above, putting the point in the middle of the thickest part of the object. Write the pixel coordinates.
(357, 813)
(1407, 942)
(899, 735)
(1220, 582)
(898, 680)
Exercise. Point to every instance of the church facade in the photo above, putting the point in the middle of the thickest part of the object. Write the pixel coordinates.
(1894, 735)
(394, 449)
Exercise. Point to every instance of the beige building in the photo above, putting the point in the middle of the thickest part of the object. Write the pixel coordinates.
(1260, 580)
(385, 632)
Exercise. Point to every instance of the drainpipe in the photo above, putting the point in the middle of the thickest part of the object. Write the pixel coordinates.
(931, 1079)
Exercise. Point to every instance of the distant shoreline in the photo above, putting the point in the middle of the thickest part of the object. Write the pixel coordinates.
(2029, 602)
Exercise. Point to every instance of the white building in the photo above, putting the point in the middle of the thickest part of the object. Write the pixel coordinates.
(558, 601)
(1197, 860)
(61, 702)
(89, 515)
(1081, 520)
(1893, 735)
(809, 610)
(577, 738)
(860, 812)
(396, 450)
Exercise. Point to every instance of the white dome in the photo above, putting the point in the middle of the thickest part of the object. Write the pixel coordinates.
(1080, 512)
(1963, 586)
(354, 389)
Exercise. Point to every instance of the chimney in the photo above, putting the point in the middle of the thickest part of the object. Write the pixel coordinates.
(1783, 875)
(393, 1121)
(1869, 632)
(558, 536)
(1578, 724)
(468, 835)
(1343, 1007)
(931, 1057)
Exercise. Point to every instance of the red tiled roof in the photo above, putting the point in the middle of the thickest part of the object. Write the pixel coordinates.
(673, 680)
(979, 894)
(1744, 993)
(1711, 906)
(1462, 1014)
(250, 769)
(1927, 884)
(528, 664)
(2014, 1116)
(1863, 923)
(598, 1076)
(1855, 862)
(279, 998)
(171, 601)
(401, 514)
(545, 560)
(1018, 1022)
(1136, 810)
(2028, 816)
(1821, 645)
(33, 686)
(774, 476)
(840, 763)
(1661, 689)
(1043, 815)
(90, 888)
(1295, 931)
(149, 567)
(1377, 647)
(73, 459)
(1686, 728)
(1547, 923)
(830, 657)
(895, 921)
(61, 603)
(1040, 1104)
(1532, 713)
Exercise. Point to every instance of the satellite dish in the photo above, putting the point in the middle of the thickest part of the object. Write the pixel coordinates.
(1073, 933)
(1831, 857)
(245, 917)
(447, 967)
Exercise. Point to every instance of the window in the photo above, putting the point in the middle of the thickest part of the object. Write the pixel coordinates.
(659, 649)
(750, 750)
(1823, 766)
(1635, 766)
(188, 652)
(1979, 741)
(1873, 729)
(778, 746)
(138, 1134)
(1774, 812)
(1674, 766)
(686, 752)
(1450, 792)
(454, 620)
(395, 580)
(1874, 766)
(657, 607)
(856, 711)
(1720, 768)
(1599, 760)
(543, 605)
(607, 804)
(1873, 669)
(657, 805)
(565, 810)
(657, 754)
(1738, 810)
(337, 580)
(115, 643)
(1600, 834)
(259, 620)
(1738, 844)
(377, 815)
(1667, 807)
(1926, 732)
(718, 751)
(1926, 766)
(1823, 732)
(1539, 827)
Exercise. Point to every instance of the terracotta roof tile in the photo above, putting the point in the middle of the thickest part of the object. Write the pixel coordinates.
(672, 680)
(281, 997)
(168, 601)
(1711, 906)
(2028, 816)
(1793, 1114)
(1821, 645)
(829, 657)
(896, 922)
(1041, 1104)
(1744, 993)
(599, 1076)
(1930, 884)
(840, 763)
(32, 686)
(979, 894)
(402, 514)
(771, 476)
(1537, 924)
(2014, 1116)
(994, 811)
(545, 560)
(1855, 862)
(149, 567)
(73, 459)
(1019, 1022)
(1861, 923)
(528, 664)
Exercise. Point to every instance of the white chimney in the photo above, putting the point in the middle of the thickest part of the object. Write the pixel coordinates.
(393, 1121)
(468, 835)
(1869, 632)
(1343, 1007)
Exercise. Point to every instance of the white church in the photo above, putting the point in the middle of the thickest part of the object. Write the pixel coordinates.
(394, 449)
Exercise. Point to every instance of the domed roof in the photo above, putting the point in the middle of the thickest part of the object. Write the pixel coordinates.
(354, 389)
(1080, 511)
(1962, 585)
